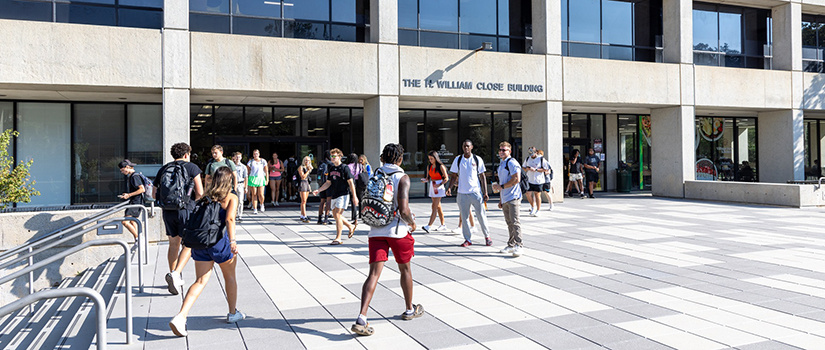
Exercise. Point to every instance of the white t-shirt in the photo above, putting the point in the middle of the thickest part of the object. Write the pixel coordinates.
(256, 168)
(534, 177)
(468, 170)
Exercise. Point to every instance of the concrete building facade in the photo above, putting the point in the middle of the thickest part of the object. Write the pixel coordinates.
(163, 82)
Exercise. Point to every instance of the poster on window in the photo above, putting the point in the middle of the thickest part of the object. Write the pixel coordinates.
(711, 129)
(597, 146)
(705, 170)
(645, 126)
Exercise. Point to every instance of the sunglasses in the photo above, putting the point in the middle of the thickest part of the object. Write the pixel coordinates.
(335, 156)
(503, 149)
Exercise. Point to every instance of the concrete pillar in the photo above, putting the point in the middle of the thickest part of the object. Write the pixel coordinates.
(384, 22)
(787, 37)
(611, 144)
(781, 146)
(542, 128)
(380, 125)
(176, 74)
(678, 31)
(547, 27)
(673, 150)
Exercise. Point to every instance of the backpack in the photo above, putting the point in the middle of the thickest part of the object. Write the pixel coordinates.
(148, 188)
(363, 178)
(291, 167)
(322, 173)
(524, 183)
(203, 228)
(548, 175)
(174, 189)
(377, 208)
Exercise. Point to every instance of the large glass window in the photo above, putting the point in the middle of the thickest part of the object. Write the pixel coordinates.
(612, 29)
(98, 143)
(731, 36)
(341, 20)
(813, 43)
(411, 136)
(124, 13)
(634, 148)
(144, 146)
(726, 149)
(45, 137)
(814, 148)
(466, 24)
(583, 131)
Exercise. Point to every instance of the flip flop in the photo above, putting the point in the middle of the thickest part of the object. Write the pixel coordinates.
(362, 329)
(352, 231)
(336, 243)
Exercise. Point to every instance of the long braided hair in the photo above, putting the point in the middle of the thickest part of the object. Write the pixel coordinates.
(392, 153)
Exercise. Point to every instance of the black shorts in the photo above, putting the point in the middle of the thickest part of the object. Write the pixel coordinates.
(534, 188)
(133, 212)
(174, 220)
(324, 194)
(592, 176)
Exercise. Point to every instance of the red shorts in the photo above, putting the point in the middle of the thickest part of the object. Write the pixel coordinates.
(402, 249)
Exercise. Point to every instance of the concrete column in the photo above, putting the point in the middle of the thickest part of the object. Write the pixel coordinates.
(781, 146)
(176, 74)
(547, 27)
(678, 31)
(673, 150)
(384, 22)
(787, 36)
(542, 128)
(380, 125)
(611, 144)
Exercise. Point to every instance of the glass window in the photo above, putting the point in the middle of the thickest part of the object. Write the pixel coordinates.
(307, 9)
(258, 8)
(26, 10)
(705, 30)
(408, 37)
(438, 15)
(442, 133)
(257, 121)
(726, 149)
(442, 40)
(408, 14)
(339, 120)
(208, 23)
(344, 11)
(617, 22)
(201, 136)
(98, 145)
(306, 30)
(411, 136)
(314, 122)
(501, 129)
(256, 26)
(229, 121)
(211, 6)
(73, 13)
(730, 33)
(584, 21)
(285, 121)
(814, 148)
(478, 16)
(144, 130)
(7, 122)
(476, 127)
(358, 130)
(473, 42)
(45, 137)
(142, 3)
(136, 18)
(738, 34)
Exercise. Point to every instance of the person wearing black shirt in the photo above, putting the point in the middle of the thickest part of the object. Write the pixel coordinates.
(339, 185)
(175, 220)
(591, 169)
(134, 193)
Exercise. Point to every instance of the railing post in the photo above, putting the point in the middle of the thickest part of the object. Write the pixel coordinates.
(31, 281)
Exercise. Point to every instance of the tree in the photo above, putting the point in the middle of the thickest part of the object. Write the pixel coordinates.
(16, 185)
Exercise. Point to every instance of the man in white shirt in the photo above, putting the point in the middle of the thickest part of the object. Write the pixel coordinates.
(534, 166)
(467, 173)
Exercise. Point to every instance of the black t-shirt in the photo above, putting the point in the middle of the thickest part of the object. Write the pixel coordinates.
(576, 167)
(192, 170)
(339, 175)
(592, 161)
(133, 184)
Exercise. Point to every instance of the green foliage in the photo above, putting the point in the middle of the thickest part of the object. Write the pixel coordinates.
(16, 185)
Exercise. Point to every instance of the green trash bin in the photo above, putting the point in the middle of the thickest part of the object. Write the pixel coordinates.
(624, 180)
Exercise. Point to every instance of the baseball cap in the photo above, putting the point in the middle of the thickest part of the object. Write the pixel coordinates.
(125, 163)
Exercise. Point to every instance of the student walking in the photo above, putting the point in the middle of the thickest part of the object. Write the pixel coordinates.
(257, 181)
(535, 167)
(291, 166)
(436, 176)
(509, 175)
(276, 168)
(360, 181)
(547, 187)
(324, 207)
(340, 184)
(303, 187)
(395, 236)
(241, 175)
(224, 253)
(591, 170)
(216, 162)
(467, 173)
(365, 163)
(575, 178)
(134, 193)
(177, 185)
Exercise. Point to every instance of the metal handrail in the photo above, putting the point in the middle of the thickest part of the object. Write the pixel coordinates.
(77, 248)
(52, 235)
(100, 311)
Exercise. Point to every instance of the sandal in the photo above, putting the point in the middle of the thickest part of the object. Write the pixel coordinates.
(352, 231)
(418, 311)
(336, 242)
(362, 329)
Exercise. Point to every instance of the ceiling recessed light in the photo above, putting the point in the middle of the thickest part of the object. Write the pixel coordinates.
(332, 103)
(273, 101)
(121, 98)
(486, 107)
(210, 100)
(574, 110)
(2, 95)
(438, 106)
(612, 111)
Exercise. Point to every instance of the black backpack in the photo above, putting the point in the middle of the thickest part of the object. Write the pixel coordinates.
(377, 209)
(203, 228)
(175, 187)
(322, 173)
(524, 183)
(363, 178)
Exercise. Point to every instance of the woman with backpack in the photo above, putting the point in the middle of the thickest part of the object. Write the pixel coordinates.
(355, 168)
(436, 176)
(303, 186)
(365, 163)
(223, 252)
(257, 180)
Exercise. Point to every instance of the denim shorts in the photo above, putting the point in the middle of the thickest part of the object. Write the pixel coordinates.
(220, 253)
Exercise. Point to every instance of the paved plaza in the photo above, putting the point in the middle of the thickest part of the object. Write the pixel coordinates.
(616, 272)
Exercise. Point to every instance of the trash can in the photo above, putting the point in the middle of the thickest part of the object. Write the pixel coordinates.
(624, 180)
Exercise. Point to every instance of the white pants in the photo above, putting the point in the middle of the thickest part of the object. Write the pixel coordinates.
(241, 189)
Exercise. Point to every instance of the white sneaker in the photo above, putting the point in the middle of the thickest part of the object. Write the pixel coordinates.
(263, 209)
(506, 250)
(275, 204)
(517, 251)
(237, 316)
(255, 211)
(178, 325)
(442, 228)
(457, 230)
(174, 283)
(534, 213)
(426, 228)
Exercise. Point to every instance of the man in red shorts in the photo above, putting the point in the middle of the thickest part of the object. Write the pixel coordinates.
(396, 237)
